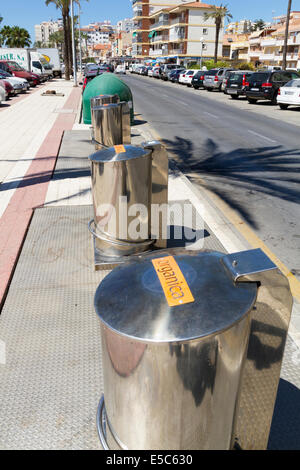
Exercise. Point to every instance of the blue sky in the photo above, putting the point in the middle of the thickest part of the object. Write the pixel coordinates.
(28, 13)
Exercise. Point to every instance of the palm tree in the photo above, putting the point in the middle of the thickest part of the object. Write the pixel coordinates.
(15, 36)
(259, 25)
(218, 14)
(286, 34)
(64, 7)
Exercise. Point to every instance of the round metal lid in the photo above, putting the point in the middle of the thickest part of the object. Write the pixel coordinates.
(119, 153)
(131, 300)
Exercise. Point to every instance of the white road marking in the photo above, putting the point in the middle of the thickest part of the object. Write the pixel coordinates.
(210, 114)
(262, 136)
(182, 102)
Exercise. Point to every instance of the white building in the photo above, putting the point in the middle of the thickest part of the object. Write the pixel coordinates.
(45, 29)
(125, 25)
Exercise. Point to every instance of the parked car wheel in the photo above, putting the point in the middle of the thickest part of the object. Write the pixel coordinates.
(209, 89)
(234, 97)
(274, 100)
(252, 101)
(284, 106)
(196, 87)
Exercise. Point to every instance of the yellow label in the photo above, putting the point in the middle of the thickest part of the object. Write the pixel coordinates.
(120, 149)
(175, 287)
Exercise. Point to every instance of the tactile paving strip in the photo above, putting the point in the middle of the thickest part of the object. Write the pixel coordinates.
(51, 383)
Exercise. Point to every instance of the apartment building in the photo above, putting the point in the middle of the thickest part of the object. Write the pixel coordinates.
(236, 46)
(174, 32)
(44, 30)
(99, 33)
(126, 25)
(266, 46)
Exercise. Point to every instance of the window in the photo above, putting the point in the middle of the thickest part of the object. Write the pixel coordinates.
(204, 47)
(205, 31)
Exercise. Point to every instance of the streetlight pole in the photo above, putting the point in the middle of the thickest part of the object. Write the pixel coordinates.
(201, 51)
(80, 51)
(73, 44)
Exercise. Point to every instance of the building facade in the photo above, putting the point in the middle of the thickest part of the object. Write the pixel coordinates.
(174, 32)
(44, 30)
(266, 46)
(125, 25)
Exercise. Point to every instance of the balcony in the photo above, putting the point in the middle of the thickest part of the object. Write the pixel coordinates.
(155, 52)
(159, 24)
(176, 51)
(254, 53)
(137, 13)
(268, 42)
(178, 19)
(176, 37)
(162, 38)
(255, 41)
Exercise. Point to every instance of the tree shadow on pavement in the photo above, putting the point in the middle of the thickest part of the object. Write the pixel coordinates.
(260, 171)
(285, 428)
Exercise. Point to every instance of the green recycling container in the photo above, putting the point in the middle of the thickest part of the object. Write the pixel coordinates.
(106, 84)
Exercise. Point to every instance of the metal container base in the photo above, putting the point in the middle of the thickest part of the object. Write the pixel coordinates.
(103, 262)
(107, 438)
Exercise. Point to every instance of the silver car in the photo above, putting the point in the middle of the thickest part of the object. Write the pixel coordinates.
(214, 79)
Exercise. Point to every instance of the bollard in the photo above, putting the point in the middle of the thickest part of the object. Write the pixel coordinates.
(192, 345)
(111, 125)
(127, 181)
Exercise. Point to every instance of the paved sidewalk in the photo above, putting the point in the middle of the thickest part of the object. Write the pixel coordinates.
(31, 132)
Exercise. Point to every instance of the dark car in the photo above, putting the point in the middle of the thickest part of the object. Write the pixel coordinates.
(197, 80)
(174, 75)
(265, 85)
(237, 82)
(166, 69)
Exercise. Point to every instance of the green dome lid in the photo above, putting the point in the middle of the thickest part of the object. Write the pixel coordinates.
(105, 84)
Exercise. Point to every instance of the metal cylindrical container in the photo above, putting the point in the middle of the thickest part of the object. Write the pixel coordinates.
(100, 100)
(121, 190)
(111, 125)
(174, 337)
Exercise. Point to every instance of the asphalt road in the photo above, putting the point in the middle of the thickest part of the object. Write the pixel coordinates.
(249, 160)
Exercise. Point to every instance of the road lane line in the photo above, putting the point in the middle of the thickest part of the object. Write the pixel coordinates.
(211, 115)
(263, 137)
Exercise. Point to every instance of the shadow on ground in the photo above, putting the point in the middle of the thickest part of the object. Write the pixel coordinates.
(285, 429)
(265, 171)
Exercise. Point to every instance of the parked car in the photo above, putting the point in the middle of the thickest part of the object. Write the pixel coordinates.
(289, 94)
(185, 78)
(20, 84)
(213, 80)
(150, 71)
(3, 94)
(121, 69)
(143, 70)
(224, 81)
(173, 75)
(156, 72)
(265, 85)
(197, 80)
(8, 88)
(165, 69)
(90, 75)
(236, 83)
(17, 71)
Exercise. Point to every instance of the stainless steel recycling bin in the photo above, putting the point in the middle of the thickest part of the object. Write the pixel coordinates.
(121, 179)
(178, 371)
(111, 124)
